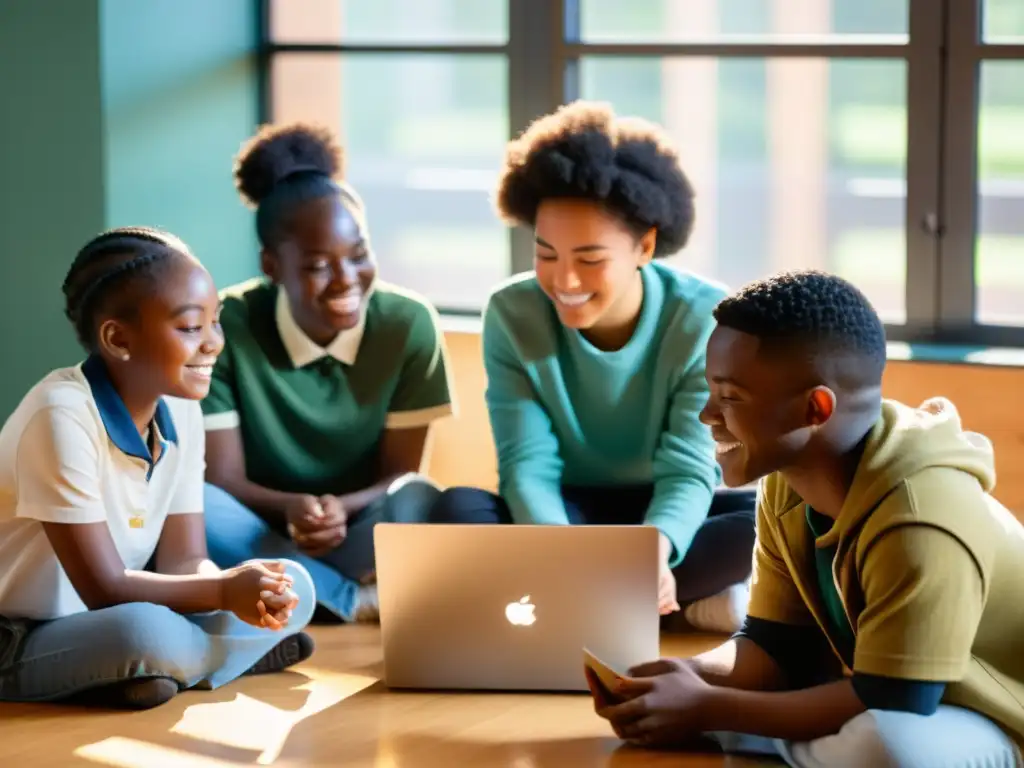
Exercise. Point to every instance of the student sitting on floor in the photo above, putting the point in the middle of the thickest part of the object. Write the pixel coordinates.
(101, 465)
(321, 403)
(595, 362)
(880, 553)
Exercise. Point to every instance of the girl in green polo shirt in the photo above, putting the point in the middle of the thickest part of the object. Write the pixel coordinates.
(595, 361)
(320, 406)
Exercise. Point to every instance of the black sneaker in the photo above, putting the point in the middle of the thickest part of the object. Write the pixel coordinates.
(144, 693)
(287, 653)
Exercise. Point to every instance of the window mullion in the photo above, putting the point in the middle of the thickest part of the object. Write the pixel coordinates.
(960, 172)
(924, 219)
(535, 84)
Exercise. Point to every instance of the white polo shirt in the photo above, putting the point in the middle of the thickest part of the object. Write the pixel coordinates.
(70, 453)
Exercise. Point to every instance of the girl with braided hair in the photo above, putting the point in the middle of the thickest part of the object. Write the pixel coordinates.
(595, 360)
(106, 592)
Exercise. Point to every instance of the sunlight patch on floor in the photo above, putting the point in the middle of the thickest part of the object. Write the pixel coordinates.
(123, 752)
(243, 723)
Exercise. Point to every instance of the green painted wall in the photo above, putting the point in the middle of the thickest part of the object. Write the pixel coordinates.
(179, 97)
(51, 177)
(115, 112)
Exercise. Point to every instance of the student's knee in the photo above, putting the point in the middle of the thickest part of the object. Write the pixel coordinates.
(858, 743)
(147, 638)
(865, 739)
(302, 585)
(410, 499)
(888, 739)
(741, 502)
(467, 505)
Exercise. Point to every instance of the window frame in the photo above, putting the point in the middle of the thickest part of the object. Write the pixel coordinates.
(944, 53)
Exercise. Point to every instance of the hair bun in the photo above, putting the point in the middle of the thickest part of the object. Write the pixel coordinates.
(278, 151)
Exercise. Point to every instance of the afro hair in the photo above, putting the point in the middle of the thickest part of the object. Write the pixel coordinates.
(810, 307)
(583, 151)
(279, 151)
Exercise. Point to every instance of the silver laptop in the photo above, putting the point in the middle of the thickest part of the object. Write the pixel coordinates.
(511, 607)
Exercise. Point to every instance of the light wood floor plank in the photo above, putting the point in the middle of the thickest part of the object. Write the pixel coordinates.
(333, 711)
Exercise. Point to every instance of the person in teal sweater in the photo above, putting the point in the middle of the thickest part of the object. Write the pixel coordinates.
(595, 361)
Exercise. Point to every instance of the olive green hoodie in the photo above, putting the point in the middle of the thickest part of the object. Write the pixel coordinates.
(929, 566)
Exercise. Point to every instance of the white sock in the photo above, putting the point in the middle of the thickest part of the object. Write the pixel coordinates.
(367, 609)
(724, 612)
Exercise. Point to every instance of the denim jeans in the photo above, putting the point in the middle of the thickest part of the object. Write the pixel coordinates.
(56, 659)
(720, 555)
(951, 738)
(234, 533)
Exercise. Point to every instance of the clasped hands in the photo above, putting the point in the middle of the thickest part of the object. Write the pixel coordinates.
(317, 525)
(660, 704)
(259, 593)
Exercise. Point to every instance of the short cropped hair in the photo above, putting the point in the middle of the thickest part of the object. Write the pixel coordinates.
(809, 307)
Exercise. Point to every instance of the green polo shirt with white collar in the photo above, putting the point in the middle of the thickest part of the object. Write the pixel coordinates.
(312, 418)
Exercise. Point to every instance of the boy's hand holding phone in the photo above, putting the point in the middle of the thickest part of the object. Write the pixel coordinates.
(602, 680)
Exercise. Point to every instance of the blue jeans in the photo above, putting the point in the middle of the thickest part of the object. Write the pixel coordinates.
(59, 658)
(234, 533)
(953, 737)
(719, 556)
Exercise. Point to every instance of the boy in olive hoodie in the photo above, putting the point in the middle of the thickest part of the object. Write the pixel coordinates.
(886, 617)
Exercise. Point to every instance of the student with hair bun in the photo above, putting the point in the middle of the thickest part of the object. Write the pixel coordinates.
(320, 407)
(107, 596)
(595, 361)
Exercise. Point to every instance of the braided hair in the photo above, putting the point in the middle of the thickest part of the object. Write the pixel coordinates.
(285, 166)
(105, 266)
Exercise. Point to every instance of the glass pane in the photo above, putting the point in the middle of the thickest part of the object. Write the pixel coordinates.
(1003, 21)
(389, 21)
(673, 21)
(424, 137)
(999, 254)
(797, 163)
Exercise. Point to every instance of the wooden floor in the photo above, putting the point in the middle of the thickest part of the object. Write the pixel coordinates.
(333, 711)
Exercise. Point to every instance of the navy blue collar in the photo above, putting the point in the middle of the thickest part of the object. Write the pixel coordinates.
(116, 419)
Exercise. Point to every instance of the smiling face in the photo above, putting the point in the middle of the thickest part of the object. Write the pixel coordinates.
(587, 262)
(326, 268)
(762, 408)
(172, 336)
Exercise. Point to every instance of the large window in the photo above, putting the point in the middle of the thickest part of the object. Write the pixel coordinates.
(418, 92)
(879, 139)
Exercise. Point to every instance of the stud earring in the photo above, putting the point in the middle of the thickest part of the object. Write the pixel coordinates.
(125, 356)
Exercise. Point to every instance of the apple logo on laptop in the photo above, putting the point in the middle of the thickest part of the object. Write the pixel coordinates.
(521, 614)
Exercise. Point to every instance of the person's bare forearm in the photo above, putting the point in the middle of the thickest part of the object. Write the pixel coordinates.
(270, 504)
(183, 594)
(803, 715)
(197, 566)
(739, 663)
(358, 500)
